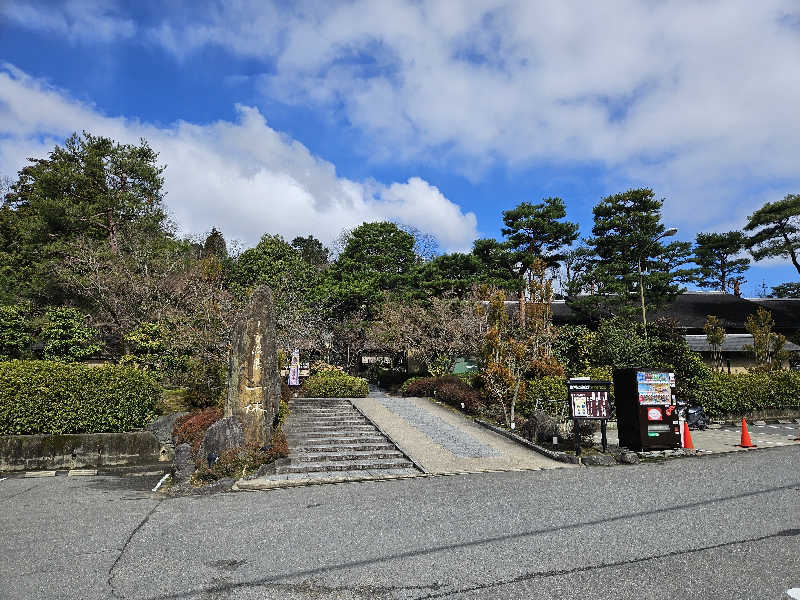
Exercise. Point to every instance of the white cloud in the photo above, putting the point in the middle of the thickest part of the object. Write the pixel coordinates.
(682, 96)
(695, 99)
(243, 177)
(76, 19)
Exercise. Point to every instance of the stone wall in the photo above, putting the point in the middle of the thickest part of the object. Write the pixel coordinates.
(74, 451)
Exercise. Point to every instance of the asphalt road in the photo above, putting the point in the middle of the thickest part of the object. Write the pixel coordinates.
(717, 527)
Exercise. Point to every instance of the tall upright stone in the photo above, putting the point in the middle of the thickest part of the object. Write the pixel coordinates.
(254, 389)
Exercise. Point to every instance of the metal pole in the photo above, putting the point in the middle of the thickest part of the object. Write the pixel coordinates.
(603, 431)
(577, 438)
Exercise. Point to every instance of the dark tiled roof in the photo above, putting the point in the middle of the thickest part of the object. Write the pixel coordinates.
(785, 311)
(691, 309)
(734, 342)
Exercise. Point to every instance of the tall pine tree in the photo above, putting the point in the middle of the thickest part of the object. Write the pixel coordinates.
(715, 255)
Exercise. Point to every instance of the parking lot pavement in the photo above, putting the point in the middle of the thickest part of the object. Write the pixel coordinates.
(726, 439)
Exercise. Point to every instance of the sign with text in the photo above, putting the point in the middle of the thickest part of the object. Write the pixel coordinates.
(589, 399)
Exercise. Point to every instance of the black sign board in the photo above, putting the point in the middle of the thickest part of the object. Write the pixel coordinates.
(589, 399)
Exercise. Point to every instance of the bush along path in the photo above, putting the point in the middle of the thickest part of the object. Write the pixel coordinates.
(330, 441)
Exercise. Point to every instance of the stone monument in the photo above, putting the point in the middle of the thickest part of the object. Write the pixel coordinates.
(254, 389)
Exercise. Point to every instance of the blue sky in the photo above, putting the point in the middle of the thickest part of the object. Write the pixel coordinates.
(309, 117)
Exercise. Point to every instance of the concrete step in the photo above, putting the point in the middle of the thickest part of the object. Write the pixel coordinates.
(343, 447)
(324, 415)
(321, 408)
(311, 467)
(314, 435)
(344, 456)
(300, 441)
(317, 428)
(348, 420)
(321, 405)
(326, 427)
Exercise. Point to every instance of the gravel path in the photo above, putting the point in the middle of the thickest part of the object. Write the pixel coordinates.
(449, 437)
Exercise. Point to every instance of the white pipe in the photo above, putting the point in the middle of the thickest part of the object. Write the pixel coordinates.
(158, 485)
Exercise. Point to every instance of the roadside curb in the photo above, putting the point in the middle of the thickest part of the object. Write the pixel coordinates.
(750, 422)
(558, 456)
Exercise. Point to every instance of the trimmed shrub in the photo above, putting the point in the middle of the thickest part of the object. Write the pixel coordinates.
(449, 389)
(407, 385)
(55, 397)
(424, 387)
(461, 396)
(286, 391)
(67, 337)
(335, 384)
(723, 394)
(472, 379)
(15, 334)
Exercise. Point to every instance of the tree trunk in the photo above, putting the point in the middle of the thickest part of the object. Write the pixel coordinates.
(112, 238)
(793, 254)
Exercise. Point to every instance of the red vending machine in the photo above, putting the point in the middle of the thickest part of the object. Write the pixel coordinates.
(647, 417)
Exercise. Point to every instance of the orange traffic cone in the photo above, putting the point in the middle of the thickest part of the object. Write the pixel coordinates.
(746, 443)
(687, 437)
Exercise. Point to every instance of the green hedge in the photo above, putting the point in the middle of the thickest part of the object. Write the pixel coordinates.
(723, 394)
(335, 384)
(55, 397)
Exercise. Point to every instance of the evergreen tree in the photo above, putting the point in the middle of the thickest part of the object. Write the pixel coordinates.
(537, 231)
(786, 290)
(630, 257)
(455, 273)
(215, 245)
(499, 266)
(715, 255)
(91, 188)
(777, 230)
(311, 250)
(376, 258)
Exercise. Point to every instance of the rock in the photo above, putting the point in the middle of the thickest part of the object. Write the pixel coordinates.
(223, 435)
(184, 464)
(598, 460)
(162, 427)
(254, 389)
(185, 488)
(263, 471)
(627, 457)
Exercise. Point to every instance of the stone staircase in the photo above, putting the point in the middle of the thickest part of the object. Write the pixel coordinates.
(328, 437)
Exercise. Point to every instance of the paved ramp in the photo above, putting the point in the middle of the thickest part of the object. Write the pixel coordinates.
(442, 440)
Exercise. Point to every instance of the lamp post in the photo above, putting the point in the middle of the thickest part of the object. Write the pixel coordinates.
(669, 232)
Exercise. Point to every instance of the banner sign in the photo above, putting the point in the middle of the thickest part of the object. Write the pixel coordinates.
(294, 368)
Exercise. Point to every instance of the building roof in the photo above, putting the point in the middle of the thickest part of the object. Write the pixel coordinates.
(734, 342)
(691, 309)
